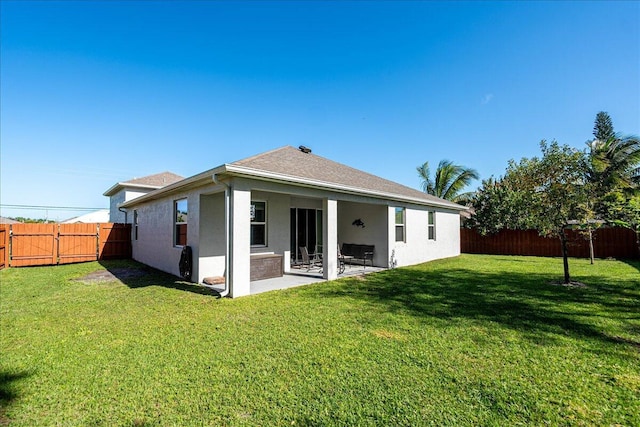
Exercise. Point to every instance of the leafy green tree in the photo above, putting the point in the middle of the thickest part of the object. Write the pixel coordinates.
(499, 205)
(33, 220)
(546, 194)
(449, 181)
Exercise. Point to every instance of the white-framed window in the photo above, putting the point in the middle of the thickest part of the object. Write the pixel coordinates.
(400, 225)
(180, 215)
(431, 225)
(258, 223)
(135, 224)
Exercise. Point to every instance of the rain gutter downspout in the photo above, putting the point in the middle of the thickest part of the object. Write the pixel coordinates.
(124, 212)
(227, 227)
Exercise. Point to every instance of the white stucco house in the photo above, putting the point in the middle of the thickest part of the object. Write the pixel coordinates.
(253, 214)
(101, 215)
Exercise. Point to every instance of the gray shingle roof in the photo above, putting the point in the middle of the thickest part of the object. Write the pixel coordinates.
(289, 164)
(156, 180)
(151, 182)
(295, 163)
(4, 220)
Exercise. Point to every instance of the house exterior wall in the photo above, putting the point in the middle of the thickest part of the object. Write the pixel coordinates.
(114, 201)
(278, 230)
(122, 196)
(375, 219)
(155, 244)
(417, 247)
(449, 224)
(305, 203)
(205, 230)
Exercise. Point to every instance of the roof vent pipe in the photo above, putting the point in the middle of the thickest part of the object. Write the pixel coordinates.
(304, 149)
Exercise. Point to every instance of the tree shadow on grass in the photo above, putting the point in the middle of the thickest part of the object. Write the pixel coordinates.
(633, 263)
(8, 392)
(523, 301)
(136, 275)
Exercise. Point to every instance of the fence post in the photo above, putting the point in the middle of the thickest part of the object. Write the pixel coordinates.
(98, 225)
(10, 247)
(56, 250)
(4, 245)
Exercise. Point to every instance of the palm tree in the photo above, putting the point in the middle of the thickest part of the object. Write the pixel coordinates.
(613, 179)
(614, 158)
(615, 162)
(448, 182)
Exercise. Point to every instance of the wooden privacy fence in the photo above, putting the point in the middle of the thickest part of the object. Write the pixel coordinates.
(24, 245)
(607, 242)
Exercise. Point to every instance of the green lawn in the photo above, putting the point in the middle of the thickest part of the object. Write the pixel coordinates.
(475, 340)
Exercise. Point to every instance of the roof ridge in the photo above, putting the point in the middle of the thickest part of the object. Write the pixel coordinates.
(376, 177)
(257, 156)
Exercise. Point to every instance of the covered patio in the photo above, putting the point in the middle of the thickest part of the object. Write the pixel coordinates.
(283, 220)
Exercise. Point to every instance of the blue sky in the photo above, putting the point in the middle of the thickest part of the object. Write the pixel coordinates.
(93, 93)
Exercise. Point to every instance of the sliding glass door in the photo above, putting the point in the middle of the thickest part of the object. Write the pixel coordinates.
(306, 230)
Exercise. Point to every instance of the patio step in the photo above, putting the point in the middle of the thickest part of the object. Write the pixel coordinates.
(215, 280)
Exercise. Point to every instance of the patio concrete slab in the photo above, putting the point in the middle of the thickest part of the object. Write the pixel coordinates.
(299, 277)
(284, 282)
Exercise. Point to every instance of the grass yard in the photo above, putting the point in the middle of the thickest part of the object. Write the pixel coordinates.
(474, 340)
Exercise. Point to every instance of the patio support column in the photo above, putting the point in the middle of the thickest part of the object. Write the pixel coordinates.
(240, 256)
(330, 239)
(391, 235)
